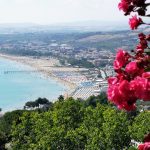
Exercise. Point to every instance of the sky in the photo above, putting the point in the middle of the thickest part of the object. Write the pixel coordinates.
(59, 11)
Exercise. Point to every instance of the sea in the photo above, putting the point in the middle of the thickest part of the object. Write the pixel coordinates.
(20, 83)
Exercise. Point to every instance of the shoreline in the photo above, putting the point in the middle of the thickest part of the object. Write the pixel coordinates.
(44, 66)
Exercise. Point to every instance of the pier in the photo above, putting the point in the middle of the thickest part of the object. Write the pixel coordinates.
(19, 71)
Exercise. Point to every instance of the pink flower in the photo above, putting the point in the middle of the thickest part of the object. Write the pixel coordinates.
(142, 36)
(145, 146)
(139, 48)
(112, 80)
(121, 59)
(141, 88)
(113, 94)
(134, 22)
(123, 5)
(143, 43)
(146, 75)
(121, 76)
(121, 95)
(124, 88)
(133, 69)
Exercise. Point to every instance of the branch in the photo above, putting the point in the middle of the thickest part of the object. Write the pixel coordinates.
(147, 4)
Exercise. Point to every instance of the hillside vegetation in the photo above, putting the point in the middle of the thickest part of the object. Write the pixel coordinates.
(71, 124)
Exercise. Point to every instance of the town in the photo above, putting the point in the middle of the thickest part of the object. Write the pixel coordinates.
(89, 54)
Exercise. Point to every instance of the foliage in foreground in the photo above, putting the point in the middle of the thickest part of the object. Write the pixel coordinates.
(73, 125)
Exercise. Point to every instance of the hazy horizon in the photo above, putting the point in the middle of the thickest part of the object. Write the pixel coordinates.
(80, 26)
(48, 12)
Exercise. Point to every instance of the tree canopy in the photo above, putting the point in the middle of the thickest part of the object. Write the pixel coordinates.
(73, 125)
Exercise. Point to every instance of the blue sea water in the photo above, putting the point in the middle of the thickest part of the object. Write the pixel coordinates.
(16, 88)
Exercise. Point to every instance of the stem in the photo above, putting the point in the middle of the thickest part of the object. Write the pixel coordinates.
(147, 24)
(146, 15)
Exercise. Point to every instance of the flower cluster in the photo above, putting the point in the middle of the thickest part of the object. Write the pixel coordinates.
(138, 6)
(128, 6)
(134, 22)
(132, 80)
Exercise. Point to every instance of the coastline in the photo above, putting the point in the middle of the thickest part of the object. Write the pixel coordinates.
(46, 67)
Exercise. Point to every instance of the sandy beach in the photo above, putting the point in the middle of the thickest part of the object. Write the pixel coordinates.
(46, 66)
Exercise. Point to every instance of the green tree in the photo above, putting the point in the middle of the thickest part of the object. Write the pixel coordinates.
(70, 125)
(48, 129)
(94, 100)
(6, 122)
(68, 113)
(140, 126)
(115, 129)
(93, 121)
(31, 105)
(23, 135)
(3, 140)
(61, 98)
(42, 101)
